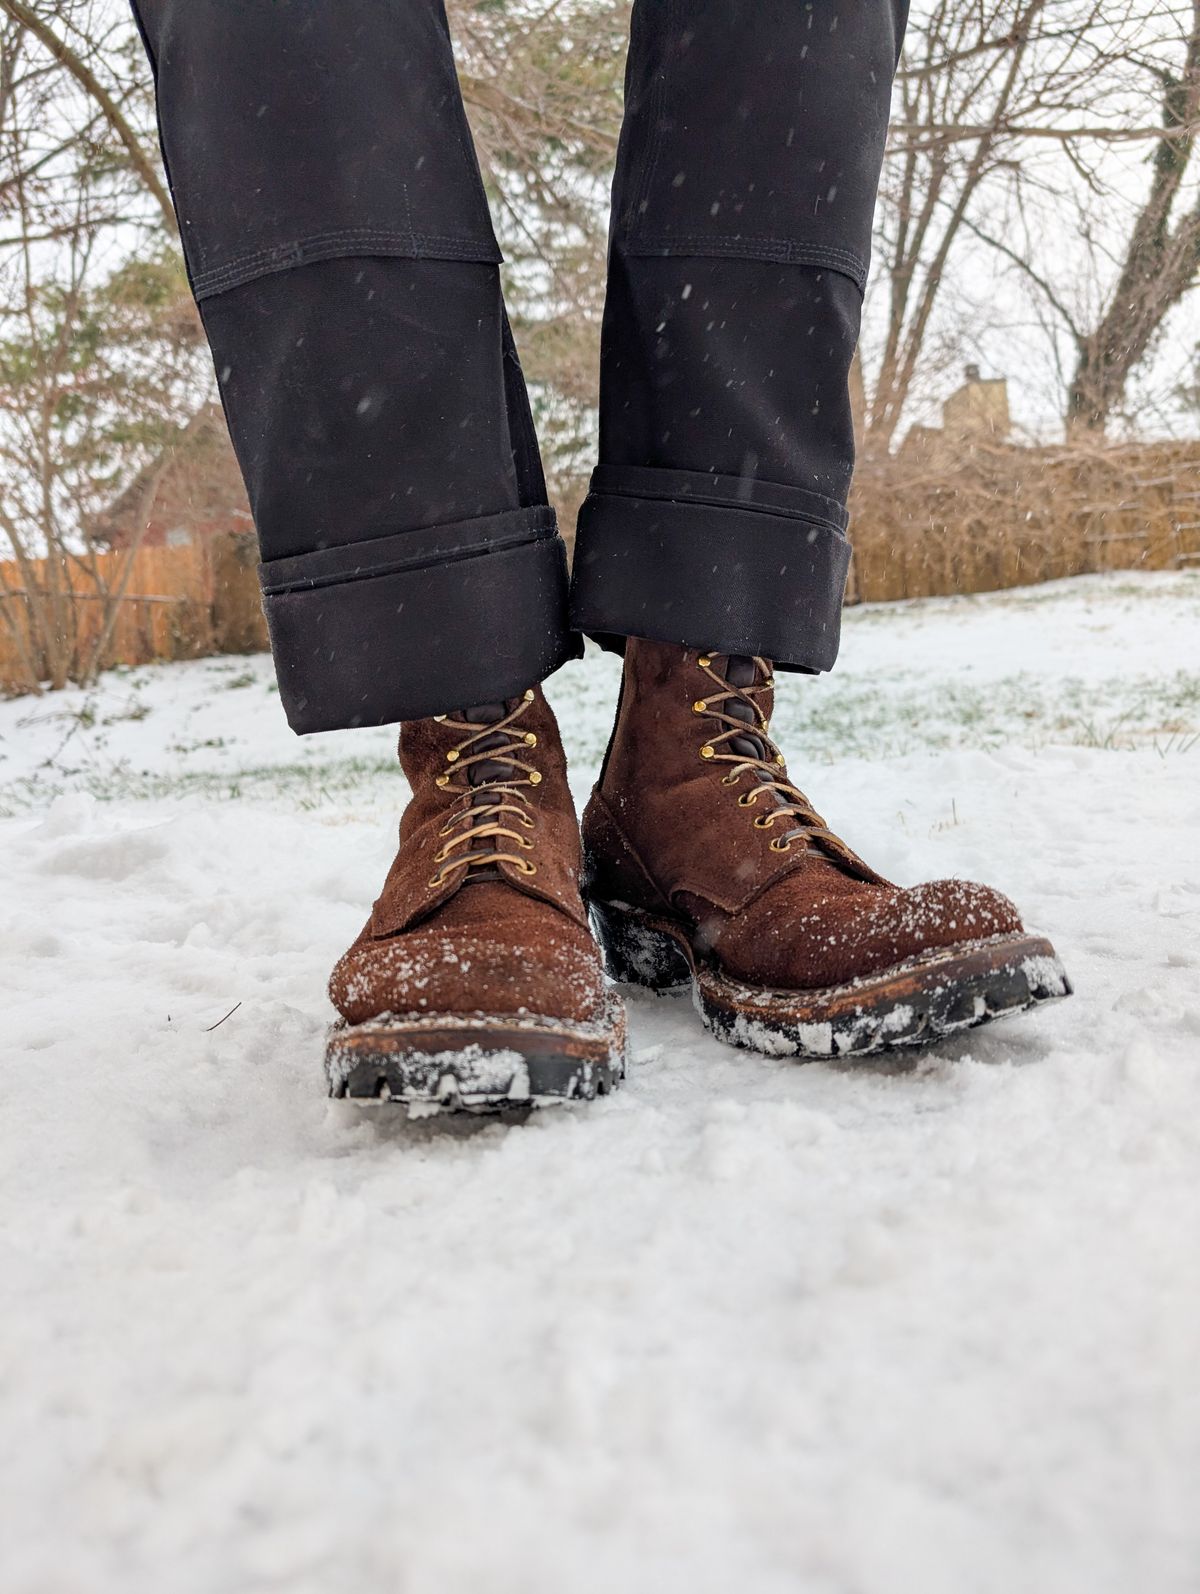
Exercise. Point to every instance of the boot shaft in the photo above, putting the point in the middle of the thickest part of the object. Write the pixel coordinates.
(438, 757)
(660, 728)
(664, 822)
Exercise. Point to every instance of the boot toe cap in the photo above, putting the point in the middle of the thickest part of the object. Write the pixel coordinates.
(427, 971)
(810, 942)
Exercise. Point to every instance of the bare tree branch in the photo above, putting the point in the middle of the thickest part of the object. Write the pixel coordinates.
(92, 86)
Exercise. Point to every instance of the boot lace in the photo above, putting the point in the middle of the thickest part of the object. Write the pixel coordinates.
(759, 758)
(490, 809)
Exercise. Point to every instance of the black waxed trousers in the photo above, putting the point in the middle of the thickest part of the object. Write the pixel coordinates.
(338, 242)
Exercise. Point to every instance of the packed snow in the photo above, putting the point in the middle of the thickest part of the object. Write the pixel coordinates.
(745, 1325)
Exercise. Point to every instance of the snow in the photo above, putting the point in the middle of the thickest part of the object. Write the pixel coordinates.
(839, 1328)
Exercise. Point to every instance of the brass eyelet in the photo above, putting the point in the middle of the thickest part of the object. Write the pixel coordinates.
(731, 779)
(781, 844)
(452, 755)
(748, 799)
(529, 695)
(531, 738)
(442, 780)
(700, 706)
(764, 821)
(769, 683)
(707, 752)
(704, 660)
(779, 758)
(535, 778)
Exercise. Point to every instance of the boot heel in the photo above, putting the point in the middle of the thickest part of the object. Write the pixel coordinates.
(635, 953)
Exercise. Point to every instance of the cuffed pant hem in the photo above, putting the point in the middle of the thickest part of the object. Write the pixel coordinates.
(419, 622)
(732, 564)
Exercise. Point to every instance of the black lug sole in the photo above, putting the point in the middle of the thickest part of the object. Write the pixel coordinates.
(917, 1003)
(476, 1063)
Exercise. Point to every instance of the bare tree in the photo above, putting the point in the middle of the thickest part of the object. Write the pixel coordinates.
(52, 29)
(1007, 118)
(1161, 258)
(98, 368)
(966, 77)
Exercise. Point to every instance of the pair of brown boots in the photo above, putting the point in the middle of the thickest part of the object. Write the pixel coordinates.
(476, 983)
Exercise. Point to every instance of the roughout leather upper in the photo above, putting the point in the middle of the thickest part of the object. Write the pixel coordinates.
(663, 833)
(507, 944)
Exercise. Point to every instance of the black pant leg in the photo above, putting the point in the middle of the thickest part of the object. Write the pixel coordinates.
(338, 242)
(741, 233)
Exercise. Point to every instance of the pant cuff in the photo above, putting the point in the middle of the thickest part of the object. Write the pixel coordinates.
(419, 622)
(709, 561)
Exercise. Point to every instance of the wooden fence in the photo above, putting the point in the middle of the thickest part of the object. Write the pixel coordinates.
(178, 603)
(998, 517)
(922, 525)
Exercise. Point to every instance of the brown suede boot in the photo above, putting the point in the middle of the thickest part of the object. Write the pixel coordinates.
(475, 984)
(704, 863)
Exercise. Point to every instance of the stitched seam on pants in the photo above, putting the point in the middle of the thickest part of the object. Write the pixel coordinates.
(340, 235)
(408, 215)
(787, 251)
(397, 567)
(807, 517)
(657, 112)
(352, 240)
(744, 242)
(632, 491)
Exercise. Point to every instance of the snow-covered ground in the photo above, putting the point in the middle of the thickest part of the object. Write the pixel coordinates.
(746, 1325)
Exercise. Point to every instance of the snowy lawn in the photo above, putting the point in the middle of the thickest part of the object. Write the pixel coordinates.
(746, 1325)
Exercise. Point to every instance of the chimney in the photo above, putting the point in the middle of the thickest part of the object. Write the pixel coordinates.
(979, 409)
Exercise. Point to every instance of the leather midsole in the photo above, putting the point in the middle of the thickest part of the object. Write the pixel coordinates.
(921, 974)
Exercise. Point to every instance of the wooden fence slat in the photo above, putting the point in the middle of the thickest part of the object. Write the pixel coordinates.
(929, 526)
(174, 606)
(921, 527)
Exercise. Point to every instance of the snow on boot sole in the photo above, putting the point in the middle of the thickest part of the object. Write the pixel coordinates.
(917, 1003)
(476, 1063)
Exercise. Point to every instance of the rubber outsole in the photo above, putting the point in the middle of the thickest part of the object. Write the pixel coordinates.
(917, 1003)
(476, 1063)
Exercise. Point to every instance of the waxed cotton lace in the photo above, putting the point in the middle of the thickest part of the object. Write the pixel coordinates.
(492, 807)
(784, 802)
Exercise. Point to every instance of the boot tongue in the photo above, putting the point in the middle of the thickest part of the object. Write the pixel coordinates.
(484, 772)
(492, 768)
(740, 671)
